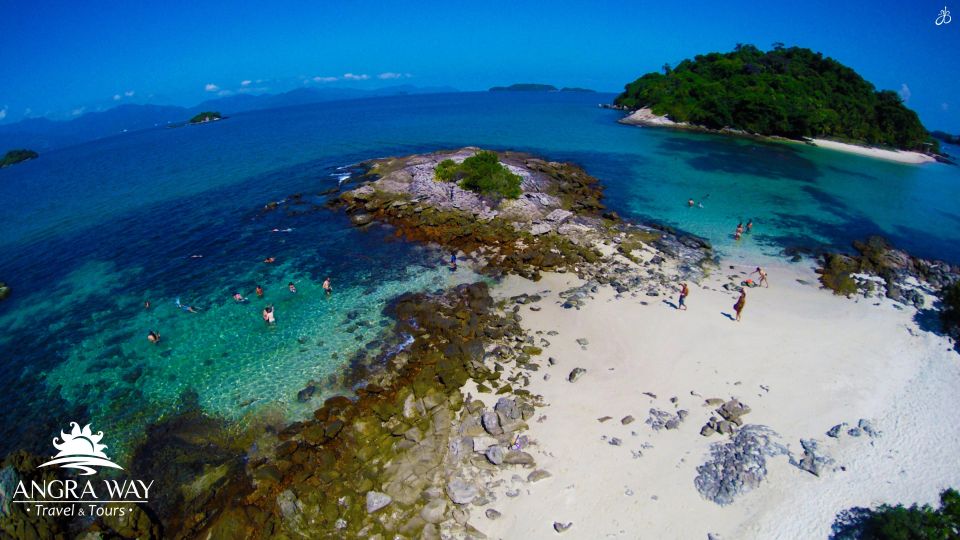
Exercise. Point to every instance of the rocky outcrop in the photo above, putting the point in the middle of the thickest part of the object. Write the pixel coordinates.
(879, 269)
(558, 223)
(737, 466)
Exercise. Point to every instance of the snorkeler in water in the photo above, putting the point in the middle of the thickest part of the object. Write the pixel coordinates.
(188, 309)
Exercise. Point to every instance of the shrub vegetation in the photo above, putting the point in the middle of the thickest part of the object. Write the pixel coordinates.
(481, 173)
(901, 523)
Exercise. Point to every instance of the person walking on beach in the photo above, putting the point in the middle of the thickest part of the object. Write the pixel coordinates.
(453, 260)
(684, 291)
(763, 277)
(327, 287)
(741, 303)
(268, 315)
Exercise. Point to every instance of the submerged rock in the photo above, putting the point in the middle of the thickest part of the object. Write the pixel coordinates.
(377, 500)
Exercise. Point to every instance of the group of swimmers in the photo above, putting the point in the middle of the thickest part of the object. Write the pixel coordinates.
(741, 301)
(268, 312)
(739, 231)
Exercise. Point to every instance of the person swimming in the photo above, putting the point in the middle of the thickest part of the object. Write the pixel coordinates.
(268, 316)
(690, 203)
(189, 309)
(146, 304)
(269, 260)
(238, 297)
(327, 287)
(153, 337)
(749, 225)
(292, 287)
(259, 291)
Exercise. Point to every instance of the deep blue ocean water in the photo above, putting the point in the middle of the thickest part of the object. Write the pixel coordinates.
(92, 231)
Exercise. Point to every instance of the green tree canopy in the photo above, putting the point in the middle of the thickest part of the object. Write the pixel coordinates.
(792, 92)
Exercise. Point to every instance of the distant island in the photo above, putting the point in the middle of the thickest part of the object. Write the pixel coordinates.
(535, 87)
(208, 116)
(946, 137)
(16, 156)
(790, 92)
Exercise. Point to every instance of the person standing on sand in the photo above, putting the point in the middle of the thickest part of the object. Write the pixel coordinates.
(684, 291)
(763, 277)
(741, 303)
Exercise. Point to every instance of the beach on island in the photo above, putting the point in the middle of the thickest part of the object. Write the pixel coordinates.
(802, 359)
(646, 117)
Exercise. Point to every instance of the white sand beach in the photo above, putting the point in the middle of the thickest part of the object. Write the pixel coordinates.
(646, 117)
(900, 156)
(803, 359)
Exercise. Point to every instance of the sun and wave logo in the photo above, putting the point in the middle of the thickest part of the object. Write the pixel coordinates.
(81, 449)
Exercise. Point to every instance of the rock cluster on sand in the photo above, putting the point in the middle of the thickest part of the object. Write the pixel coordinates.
(731, 413)
(739, 465)
(880, 269)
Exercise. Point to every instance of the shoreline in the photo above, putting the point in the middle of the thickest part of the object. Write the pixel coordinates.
(646, 118)
(803, 359)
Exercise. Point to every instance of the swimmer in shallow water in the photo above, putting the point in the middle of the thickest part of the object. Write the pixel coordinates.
(238, 297)
(327, 287)
(269, 260)
(188, 309)
(146, 304)
(268, 316)
(153, 336)
(259, 291)
(292, 287)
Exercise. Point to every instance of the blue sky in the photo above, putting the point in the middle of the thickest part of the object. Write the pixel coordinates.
(65, 58)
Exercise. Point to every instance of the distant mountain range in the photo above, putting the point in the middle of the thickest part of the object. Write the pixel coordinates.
(43, 134)
(536, 87)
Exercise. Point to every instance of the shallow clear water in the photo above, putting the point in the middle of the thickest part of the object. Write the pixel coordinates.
(91, 231)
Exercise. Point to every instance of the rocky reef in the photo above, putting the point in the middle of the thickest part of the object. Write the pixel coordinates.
(878, 268)
(557, 224)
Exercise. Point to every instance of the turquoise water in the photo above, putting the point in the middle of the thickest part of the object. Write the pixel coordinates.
(91, 231)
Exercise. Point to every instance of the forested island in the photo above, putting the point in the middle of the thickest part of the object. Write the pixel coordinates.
(790, 92)
(16, 156)
(208, 116)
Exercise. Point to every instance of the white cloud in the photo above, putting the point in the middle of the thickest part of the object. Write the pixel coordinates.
(355, 77)
(117, 97)
(3, 113)
(392, 75)
(324, 79)
(210, 87)
(129, 93)
(78, 111)
(246, 82)
(944, 106)
(905, 92)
